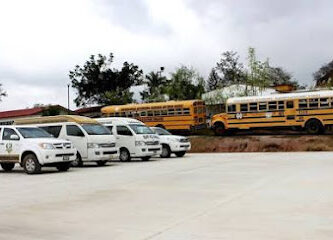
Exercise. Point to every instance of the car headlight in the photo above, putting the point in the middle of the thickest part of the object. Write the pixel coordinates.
(46, 145)
(140, 143)
(93, 145)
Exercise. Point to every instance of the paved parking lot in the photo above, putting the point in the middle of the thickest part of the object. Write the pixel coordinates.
(201, 196)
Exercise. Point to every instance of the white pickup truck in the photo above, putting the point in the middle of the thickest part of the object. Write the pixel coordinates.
(178, 145)
(33, 148)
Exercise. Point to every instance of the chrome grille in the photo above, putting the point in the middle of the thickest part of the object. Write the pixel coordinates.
(62, 145)
(107, 145)
(151, 143)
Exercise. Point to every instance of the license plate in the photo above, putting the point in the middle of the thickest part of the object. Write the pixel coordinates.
(65, 158)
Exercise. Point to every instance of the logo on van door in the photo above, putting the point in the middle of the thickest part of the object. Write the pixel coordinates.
(9, 147)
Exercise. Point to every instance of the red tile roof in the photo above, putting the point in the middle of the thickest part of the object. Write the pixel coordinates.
(21, 112)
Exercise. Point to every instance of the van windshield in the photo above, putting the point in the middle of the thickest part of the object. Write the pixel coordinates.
(141, 129)
(29, 132)
(161, 131)
(96, 129)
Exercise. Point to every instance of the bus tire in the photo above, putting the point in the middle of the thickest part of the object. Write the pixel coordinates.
(180, 154)
(7, 167)
(314, 126)
(124, 155)
(31, 164)
(78, 161)
(166, 151)
(219, 129)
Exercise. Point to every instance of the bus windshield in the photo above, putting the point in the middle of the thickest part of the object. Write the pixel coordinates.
(141, 129)
(29, 132)
(96, 129)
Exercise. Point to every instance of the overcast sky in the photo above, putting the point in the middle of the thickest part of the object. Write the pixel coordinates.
(41, 40)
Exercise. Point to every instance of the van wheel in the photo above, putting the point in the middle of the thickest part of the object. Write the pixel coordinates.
(101, 163)
(78, 161)
(7, 167)
(31, 164)
(124, 155)
(145, 158)
(314, 126)
(63, 167)
(180, 154)
(166, 152)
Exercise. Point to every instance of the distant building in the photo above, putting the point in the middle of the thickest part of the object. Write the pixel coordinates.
(8, 117)
(92, 112)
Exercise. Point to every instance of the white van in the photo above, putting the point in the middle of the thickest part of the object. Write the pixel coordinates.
(134, 138)
(93, 141)
(178, 145)
(33, 148)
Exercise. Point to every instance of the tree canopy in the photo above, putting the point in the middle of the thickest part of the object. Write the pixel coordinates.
(156, 87)
(96, 82)
(324, 76)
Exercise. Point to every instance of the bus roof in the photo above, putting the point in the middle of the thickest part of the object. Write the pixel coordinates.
(56, 119)
(281, 96)
(116, 108)
(122, 120)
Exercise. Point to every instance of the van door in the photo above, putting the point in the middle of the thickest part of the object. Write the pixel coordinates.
(124, 138)
(10, 146)
(78, 138)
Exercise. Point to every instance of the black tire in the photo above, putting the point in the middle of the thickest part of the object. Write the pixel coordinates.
(219, 129)
(166, 151)
(180, 154)
(7, 167)
(78, 161)
(31, 164)
(124, 155)
(63, 167)
(314, 126)
(145, 158)
(101, 163)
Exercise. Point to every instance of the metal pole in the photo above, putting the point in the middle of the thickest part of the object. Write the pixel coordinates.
(68, 98)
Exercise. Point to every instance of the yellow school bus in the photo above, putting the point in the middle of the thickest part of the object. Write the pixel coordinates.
(172, 115)
(311, 111)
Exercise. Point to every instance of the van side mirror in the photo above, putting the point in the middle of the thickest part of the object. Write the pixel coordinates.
(14, 137)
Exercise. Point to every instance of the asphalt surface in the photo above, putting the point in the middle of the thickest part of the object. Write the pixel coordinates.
(201, 196)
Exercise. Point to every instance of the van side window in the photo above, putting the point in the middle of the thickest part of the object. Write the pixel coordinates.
(54, 130)
(123, 130)
(73, 130)
(7, 133)
(110, 128)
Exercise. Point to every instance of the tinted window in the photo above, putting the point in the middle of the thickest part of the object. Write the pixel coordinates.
(53, 130)
(73, 130)
(186, 111)
(123, 130)
(290, 104)
(7, 133)
(141, 129)
(96, 129)
(253, 107)
(324, 102)
(262, 106)
(272, 106)
(33, 132)
(110, 128)
(281, 105)
(302, 103)
(232, 108)
(243, 107)
(313, 103)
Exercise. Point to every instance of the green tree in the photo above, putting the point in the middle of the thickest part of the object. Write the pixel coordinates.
(185, 84)
(324, 76)
(214, 80)
(2, 92)
(97, 82)
(156, 84)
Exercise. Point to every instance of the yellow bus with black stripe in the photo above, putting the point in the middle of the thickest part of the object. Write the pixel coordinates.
(311, 111)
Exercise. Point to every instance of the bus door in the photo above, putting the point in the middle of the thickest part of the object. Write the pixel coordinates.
(290, 112)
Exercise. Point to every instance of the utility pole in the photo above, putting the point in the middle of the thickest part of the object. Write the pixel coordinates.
(68, 85)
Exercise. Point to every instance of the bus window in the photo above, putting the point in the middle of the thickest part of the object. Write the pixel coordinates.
(143, 114)
(290, 104)
(123, 114)
(313, 103)
(272, 105)
(171, 111)
(164, 112)
(129, 114)
(150, 113)
(117, 114)
(324, 103)
(232, 108)
(254, 107)
(303, 103)
(186, 111)
(281, 105)
(157, 113)
(244, 107)
(179, 111)
(262, 106)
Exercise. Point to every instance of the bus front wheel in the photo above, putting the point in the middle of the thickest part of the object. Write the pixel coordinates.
(314, 126)
(219, 129)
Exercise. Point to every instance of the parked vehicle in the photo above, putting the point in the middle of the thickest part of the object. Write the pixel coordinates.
(33, 148)
(134, 138)
(93, 141)
(178, 145)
